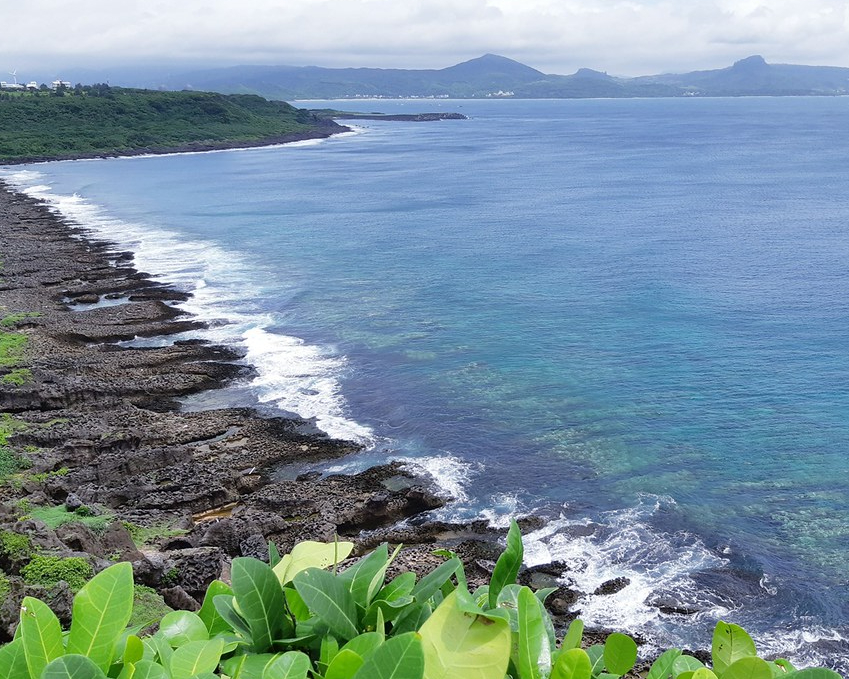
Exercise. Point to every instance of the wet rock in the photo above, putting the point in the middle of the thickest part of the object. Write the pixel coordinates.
(671, 605)
(612, 586)
(561, 601)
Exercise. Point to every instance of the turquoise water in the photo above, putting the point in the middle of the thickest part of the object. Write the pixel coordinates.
(632, 313)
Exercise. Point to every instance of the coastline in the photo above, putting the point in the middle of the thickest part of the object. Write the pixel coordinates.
(98, 425)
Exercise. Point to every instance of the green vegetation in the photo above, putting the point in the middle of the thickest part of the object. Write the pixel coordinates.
(11, 320)
(100, 119)
(17, 377)
(145, 536)
(10, 460)
(57, 516)
(51, 570)
(11, 348)
(291, 619)
(148, 607)
(14, 545)
(5, 586)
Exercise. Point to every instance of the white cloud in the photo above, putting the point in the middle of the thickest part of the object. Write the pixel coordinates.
(628, 37)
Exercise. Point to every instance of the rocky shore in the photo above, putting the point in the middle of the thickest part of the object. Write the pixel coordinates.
(93, 428)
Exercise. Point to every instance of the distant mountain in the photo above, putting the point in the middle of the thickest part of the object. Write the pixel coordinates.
(492, 76)
(754, 76)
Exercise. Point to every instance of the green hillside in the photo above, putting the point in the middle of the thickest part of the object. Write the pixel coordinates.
(102, 120)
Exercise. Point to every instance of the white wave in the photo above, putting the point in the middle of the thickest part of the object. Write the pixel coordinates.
(298, 378)
(450, 473)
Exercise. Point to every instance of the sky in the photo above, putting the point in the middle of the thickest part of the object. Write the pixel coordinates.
(621, 37)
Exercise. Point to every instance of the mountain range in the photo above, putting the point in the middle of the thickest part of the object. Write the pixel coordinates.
(497, 76)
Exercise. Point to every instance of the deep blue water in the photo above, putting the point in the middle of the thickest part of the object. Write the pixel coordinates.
(631, 312)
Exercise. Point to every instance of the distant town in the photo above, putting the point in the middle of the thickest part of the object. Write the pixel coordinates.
(32, 85)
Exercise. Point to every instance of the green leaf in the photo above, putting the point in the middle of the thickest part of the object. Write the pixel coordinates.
(389, 609)
(685, 663)
(181, 627)
(596, 656)
(785, 665)
(164, 652)
(73, 666)
(620, 653)
(662, 667)
(704, 673)
(401, 657)
(457, 645)
(327, 597)
(345, 665)
(508, 564)
(573, 663)
(291, 665)
(412, 618)
(211, 618)
(260, 599)
(369, 575)
(273, 554)
(309, 554)
(196, 657)
(224, 606)
(364, 644)
(533, 659)
(41, 635)
(296, 604)
(430, 583)
(730, 643)
(13, 662)
(251, 666)
(147, 669)
(816, 673)
(573, 635)
(133, 650)
(101, 611)
(400, 586)
(747, 668)
(328, 650)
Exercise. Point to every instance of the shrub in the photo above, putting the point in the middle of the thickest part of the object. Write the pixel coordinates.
(51, 570)
(14, 545)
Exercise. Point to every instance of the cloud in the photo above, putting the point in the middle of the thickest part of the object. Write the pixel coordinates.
(628, 37)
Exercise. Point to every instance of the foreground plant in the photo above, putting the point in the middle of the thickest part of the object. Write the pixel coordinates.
(292, 618)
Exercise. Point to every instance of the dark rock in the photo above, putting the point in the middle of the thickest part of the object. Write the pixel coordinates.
(177, 598)
(256, 546)
(670, 605)
(612, 586)
(561, 601)
(193, 569)
(79, 538)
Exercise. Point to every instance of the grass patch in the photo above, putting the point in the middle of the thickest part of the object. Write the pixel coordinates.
(11, 348)
(51, 570)
(5, 586)
(11, 461)
(17, 378)
(146, 536)
(57, 516)
(148, 606)
(11, 320)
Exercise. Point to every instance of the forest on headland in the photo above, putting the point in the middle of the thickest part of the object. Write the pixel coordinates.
(93, 120)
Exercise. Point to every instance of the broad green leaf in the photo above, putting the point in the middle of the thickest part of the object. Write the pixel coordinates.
(41, 635)
(364, 644)
(703, 673)
(13, 662)
(259, 597)
(620, 653)
(596, 656)
(573, 663)
(133, 650)
(211, 618)
(785, 665)
(686, 675)
(662, 667)
(412, 618)
(309, 554)
(296, 604)
(330, 600)
(573, 635)
(816, 673)
(196, 657)
(164, 652)
(746, 668)
(390, 610)
(147, 669)
(225, 607)
(400, 586)
(291, 665)
(400, 657)
(181, 627)
(251, 666)
(461, 646)
(533, 658)
(368, 578)
(101, 611)
(685, 663)
(328, 650)
(430, 583)
(73, 666)
(508, 564)
(273, 554)
(730, 643)
(345, 665)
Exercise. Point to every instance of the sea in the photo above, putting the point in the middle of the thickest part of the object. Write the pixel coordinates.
(629, 317)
